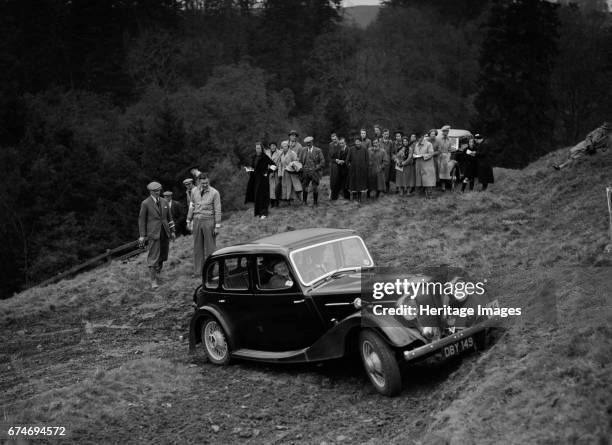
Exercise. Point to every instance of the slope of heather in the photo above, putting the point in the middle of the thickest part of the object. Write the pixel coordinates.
(104, 356)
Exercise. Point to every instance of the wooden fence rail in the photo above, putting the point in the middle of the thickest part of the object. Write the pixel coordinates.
(128, 250)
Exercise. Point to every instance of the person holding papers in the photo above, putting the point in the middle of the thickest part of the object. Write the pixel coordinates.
(258, 187)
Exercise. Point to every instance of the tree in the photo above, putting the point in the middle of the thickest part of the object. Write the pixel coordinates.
(583, 72)
(286, 37)
(514, 103)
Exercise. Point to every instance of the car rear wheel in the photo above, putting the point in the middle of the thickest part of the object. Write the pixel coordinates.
(380, 363)
(215, 342)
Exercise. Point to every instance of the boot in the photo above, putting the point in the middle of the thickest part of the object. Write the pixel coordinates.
(315, 198)
(153, 275)
(305, 195)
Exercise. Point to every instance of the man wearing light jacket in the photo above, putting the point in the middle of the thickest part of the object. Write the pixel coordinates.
(204, 218)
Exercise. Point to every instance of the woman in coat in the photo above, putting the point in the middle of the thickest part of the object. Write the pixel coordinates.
(425, 171)
(357, 160)
(485, 171)
(288, 170)
(258, 187)
(275, 182)
(377, 168)
(404, 165)
(469, 165)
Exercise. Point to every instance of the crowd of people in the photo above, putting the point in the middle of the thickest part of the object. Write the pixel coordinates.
(366, 168)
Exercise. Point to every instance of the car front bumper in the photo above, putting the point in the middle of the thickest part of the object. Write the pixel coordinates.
(433, 347)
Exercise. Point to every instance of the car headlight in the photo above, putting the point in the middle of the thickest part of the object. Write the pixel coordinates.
(459, 292)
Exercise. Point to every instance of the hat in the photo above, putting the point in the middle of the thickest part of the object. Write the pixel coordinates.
(188, 181)
(292, 132)
(154, 186)
(308, 139)
(446, 128)
(167, 193)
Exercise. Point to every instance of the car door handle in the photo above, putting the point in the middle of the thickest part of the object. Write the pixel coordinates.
(298, 301)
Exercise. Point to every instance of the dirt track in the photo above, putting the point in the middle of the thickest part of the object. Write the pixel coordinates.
(330, 402)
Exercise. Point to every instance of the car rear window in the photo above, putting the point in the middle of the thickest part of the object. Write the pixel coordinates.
(235, 273)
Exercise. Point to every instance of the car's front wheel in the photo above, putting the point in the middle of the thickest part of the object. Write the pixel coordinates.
(380, 363)
(214, 340)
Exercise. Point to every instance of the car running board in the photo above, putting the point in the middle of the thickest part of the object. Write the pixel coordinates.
(269, 356)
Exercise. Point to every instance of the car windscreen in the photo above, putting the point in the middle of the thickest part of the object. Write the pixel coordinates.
(317, 261)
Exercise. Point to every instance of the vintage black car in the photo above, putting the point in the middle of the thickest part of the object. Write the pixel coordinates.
(297, 297)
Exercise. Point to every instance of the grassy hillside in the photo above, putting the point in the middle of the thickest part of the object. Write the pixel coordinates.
(104, 356)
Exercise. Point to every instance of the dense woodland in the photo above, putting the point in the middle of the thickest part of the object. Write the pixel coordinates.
(98, 97)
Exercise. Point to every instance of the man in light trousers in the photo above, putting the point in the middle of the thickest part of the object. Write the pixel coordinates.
(204, 219)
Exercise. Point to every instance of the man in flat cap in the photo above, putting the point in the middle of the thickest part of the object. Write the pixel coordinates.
(294, 145)
(188, 183)
(312, 167)
(205, 217)
(156, 227)
(178, 213)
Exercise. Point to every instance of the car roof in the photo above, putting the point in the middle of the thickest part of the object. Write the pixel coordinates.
(457, 133)
(287, 241)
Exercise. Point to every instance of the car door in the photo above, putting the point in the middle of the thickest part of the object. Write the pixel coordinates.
(234, 296)
(285, 319)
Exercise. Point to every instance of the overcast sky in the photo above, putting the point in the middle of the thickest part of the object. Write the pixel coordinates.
(360, 2)
(377, 2)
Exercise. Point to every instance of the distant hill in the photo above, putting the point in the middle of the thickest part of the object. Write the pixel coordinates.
(362, 16)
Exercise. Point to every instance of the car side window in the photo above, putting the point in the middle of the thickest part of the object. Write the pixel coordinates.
(273, 273)
(212, 276)
(235, 273)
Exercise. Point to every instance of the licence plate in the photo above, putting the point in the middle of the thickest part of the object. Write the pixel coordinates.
(455, 349)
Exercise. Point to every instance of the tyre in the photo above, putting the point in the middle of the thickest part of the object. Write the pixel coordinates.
(380, 363)
(214, 340)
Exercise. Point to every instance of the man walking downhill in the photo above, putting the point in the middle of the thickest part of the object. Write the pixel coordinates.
(205, 219)
(156, 227)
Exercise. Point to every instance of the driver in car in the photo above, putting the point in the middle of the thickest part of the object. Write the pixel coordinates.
(280, 279)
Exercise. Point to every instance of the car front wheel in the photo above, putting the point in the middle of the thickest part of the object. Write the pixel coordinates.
(215, 342)
(380, 363)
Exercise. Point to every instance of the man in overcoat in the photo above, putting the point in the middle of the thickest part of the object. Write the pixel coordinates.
(357, 161)
(338, 172)
(312, 167)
